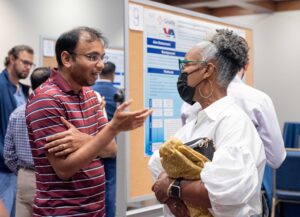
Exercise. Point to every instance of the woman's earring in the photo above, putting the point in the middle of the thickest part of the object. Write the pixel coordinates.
(211, 92)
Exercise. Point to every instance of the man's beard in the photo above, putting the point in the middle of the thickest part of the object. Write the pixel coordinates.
(19, 74)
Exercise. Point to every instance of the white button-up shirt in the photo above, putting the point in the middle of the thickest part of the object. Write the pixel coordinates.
(259, 107)
(233, 178)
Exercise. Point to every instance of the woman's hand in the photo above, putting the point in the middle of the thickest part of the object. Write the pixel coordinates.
(178, 207)
(160, 187)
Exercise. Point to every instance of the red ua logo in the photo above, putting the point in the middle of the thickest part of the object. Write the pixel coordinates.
(169, 32)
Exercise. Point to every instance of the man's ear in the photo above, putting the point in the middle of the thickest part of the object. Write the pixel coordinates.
(12, 58)
(66, 59)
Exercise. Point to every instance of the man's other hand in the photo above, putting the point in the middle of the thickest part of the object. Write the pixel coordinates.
(64, 143)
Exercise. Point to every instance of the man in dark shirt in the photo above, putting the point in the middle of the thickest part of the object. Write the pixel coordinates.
(17, 151)
(17, 64)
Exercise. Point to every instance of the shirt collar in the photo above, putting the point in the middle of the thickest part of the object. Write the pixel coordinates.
(61, 82)
(104, 80)
(216, 108)
(237, 79)
(6, 75)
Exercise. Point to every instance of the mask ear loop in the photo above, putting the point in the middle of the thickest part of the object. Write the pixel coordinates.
(211, 92)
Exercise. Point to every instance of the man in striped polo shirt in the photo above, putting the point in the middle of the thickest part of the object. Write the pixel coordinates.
(74, 185)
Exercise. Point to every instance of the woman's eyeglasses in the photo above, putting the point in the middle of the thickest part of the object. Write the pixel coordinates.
(182, 63)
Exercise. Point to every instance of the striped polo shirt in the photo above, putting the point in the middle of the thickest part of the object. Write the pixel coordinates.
(82, 194)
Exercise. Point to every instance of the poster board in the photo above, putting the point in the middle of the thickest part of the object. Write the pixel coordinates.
(137, 47)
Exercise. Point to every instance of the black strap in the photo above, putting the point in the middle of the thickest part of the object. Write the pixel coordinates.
(203, 145)
(177, 182)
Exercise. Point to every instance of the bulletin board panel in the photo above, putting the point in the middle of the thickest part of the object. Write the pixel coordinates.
(140, 181)
(49, 62)
(47, 51)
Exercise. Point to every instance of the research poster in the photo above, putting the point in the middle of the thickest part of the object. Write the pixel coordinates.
(167, 38)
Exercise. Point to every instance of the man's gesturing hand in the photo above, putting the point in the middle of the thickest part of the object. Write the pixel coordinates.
(128, 120)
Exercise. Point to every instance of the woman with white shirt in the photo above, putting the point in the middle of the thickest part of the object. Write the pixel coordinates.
(230, 184)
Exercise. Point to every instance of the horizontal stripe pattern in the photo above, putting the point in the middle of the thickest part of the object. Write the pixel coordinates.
(83, 193)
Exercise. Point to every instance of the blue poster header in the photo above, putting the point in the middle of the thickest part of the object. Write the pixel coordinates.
(119, 73)
(165, 52)
(160, 43)
(163, 71)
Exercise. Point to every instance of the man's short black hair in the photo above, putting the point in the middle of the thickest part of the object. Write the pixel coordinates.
(39, 76)
(69, 40)
(109, 68)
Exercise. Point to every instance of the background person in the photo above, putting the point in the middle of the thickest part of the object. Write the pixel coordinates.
(17, 152)
(17, 64)
(107, 89)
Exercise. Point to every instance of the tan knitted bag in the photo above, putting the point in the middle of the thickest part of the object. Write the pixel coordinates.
(181, 161)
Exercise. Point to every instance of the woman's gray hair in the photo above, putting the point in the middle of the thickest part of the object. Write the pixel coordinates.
(208, 50)
(229, 50)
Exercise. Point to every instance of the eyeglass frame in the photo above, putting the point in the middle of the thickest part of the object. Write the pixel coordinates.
(182, 62)
(89, 56)
(27, 63)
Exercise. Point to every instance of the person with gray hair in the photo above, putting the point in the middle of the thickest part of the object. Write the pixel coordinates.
(229, 184)
(18, 64)
(260, 108)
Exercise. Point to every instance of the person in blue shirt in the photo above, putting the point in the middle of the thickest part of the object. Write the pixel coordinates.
(106, 89)
(17, 64)
(17, 151)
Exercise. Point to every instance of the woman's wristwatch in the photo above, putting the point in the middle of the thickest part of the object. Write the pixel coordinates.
(174, 189)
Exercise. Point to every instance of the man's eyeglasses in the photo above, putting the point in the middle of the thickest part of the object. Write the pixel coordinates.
(95, 58)
(182, 63)
(27, 63)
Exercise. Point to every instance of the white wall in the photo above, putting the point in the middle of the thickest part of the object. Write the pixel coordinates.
(276, 39)
(24, 21)
(277, 59)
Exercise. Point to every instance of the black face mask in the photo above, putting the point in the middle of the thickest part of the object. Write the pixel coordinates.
(185, 91)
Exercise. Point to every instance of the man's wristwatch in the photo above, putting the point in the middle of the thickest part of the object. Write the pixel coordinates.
(175, 189)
